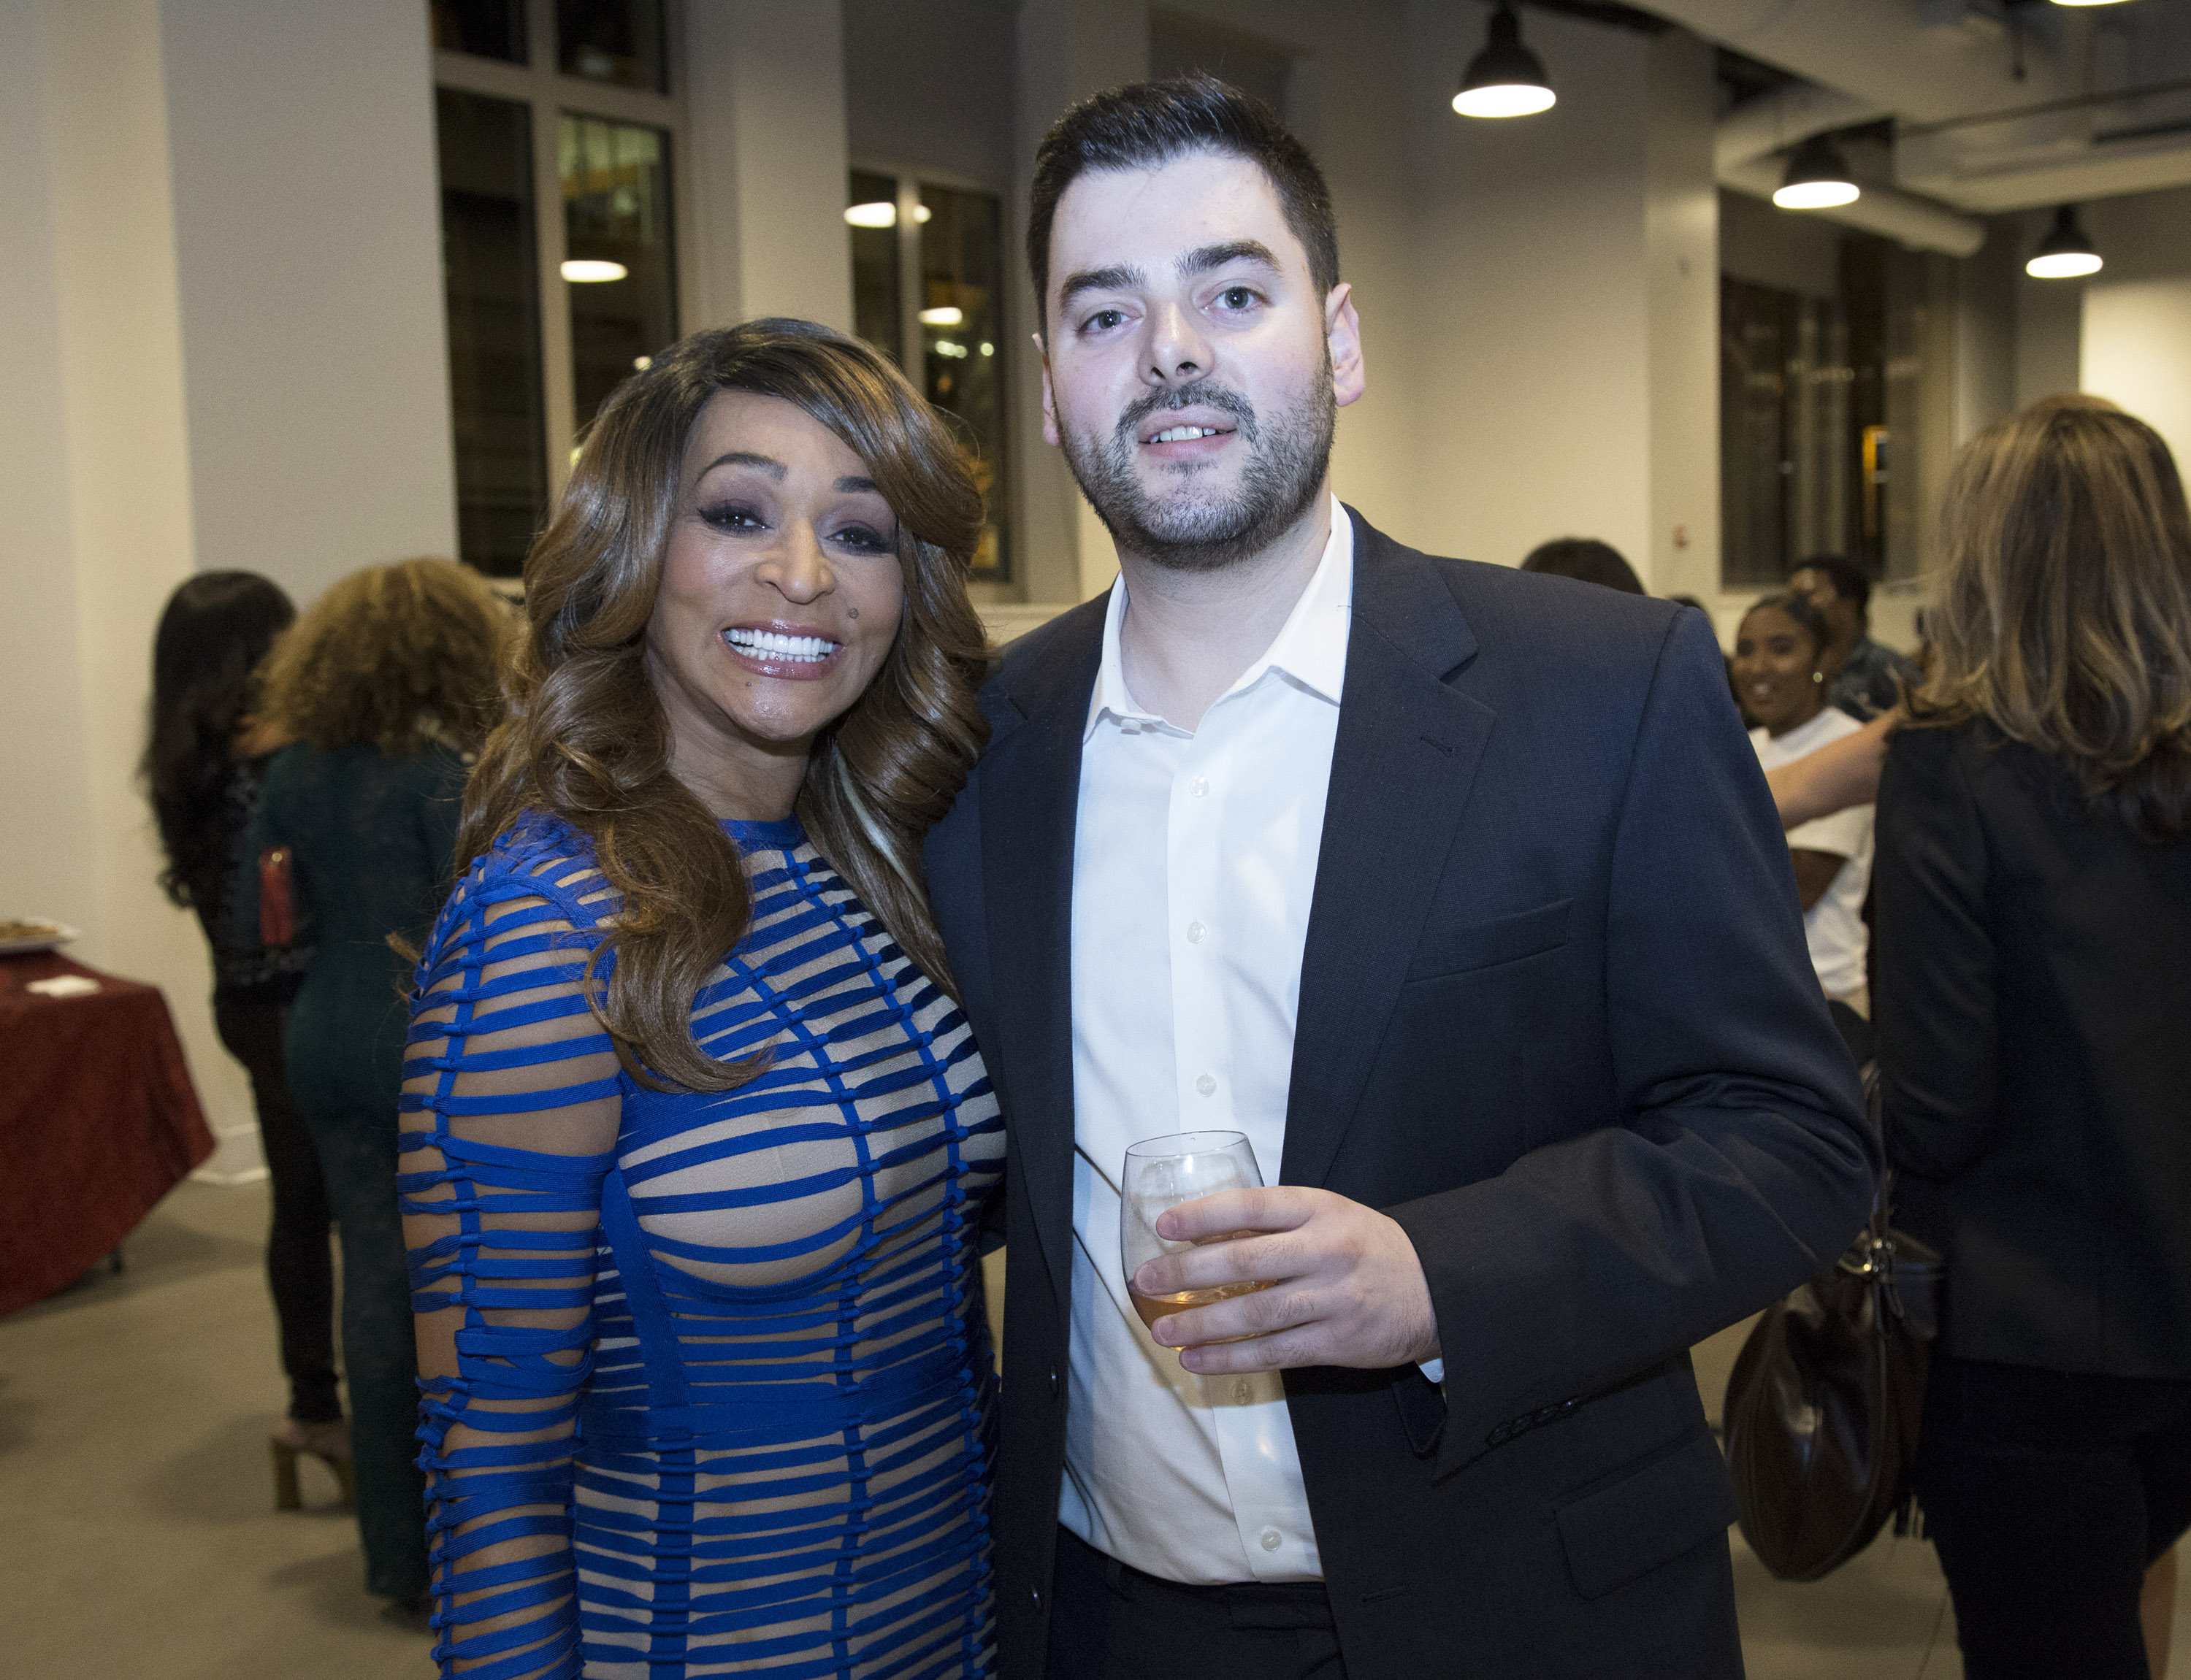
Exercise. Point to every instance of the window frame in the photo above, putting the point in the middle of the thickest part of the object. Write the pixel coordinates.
(548, 93)
(909, 175)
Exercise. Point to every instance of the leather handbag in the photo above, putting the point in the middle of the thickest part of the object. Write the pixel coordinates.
(277, 899)
(1823, 1405)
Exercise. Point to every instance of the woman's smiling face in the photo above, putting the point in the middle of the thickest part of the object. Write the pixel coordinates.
(1775, 666)
(781, 594)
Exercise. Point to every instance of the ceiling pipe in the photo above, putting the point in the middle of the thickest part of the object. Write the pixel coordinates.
(1877, 50)
(1777, 122)
(1915, 222)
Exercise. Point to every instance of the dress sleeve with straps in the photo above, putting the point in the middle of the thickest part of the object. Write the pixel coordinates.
(510, 1106)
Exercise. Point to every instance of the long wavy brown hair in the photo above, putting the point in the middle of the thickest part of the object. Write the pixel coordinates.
(393, 656)
(2064, 614)
(585, 739)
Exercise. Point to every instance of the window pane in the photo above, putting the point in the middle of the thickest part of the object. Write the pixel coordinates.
(872, 213)
(962, 340)
(490, 269)
(620, 261)
(616, 40)
(489, 29)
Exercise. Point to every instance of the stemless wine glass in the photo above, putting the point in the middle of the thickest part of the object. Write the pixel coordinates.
(1162, 1172)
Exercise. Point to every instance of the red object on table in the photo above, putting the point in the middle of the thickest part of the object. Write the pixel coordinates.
(98, 1121)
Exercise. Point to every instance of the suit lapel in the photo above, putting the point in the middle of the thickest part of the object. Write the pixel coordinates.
(1030, 793)
(1402, 767)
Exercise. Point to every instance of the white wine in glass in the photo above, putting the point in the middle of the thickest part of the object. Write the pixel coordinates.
(1162, 1172)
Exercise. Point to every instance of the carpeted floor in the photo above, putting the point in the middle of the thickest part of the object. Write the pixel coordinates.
(138, 1539)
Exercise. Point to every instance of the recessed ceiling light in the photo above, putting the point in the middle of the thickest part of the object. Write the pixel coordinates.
(592, 270)
(946, 315)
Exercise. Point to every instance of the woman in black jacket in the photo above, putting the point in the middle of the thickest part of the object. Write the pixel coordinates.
(2034, 1009)
(204, 763)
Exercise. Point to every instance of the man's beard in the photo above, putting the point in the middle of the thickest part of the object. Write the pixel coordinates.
(1285, 469)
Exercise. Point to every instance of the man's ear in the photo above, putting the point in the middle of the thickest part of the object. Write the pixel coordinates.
(1048, 402)
(1342, 333)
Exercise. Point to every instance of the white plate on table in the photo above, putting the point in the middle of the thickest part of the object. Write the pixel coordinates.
(21, 935)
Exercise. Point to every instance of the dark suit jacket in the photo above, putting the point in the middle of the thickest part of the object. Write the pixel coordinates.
(1558, 1020)
(2034, 1037)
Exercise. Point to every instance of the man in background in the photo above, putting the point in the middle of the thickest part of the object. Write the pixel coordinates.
(1868, 676)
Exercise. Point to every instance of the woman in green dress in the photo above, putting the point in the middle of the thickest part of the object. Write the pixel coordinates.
(387, 686)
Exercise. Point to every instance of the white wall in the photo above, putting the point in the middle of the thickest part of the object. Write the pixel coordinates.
(2136, 319)
(308, 243)
(1532, 346)
(1681, 232)
(765, 111)
(99, 521)
(44, 870)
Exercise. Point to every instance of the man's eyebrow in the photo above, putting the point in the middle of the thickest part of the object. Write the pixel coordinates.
(1205, 258)
(744, 457)
(1120, 277)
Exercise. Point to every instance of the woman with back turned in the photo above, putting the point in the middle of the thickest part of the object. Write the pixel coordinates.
(696, 1137)
(384, 684)
(204, 765)
(2034, 910)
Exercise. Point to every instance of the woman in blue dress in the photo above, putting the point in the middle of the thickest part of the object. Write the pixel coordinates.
(696, 1139)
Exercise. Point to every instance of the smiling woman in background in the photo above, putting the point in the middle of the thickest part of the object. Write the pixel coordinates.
(697, 1137)
(1779, 675)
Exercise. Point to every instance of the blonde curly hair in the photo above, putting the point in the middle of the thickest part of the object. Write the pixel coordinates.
(393, 656)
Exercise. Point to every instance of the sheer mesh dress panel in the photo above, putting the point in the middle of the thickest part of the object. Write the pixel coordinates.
(707, 1382)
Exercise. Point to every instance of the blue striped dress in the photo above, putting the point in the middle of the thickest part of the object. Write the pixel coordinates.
(722, 1356)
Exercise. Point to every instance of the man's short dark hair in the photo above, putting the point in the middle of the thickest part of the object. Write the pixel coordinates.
(1148, 123)
(1848, 578)
(1587, 559)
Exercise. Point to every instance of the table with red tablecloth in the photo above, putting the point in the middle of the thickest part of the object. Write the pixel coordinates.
(98, 1121)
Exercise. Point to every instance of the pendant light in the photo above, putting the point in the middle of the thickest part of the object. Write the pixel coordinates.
(2066, 252)
(1817, 177)
(1505, 79)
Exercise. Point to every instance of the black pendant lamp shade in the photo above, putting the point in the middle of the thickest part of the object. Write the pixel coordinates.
(1505, 79)
(1818, 176)
(2066, 252)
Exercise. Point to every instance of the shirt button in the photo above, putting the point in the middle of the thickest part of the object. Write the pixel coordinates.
(1271, 1540)
(1194, 933)
(1199, 786)
(1206, 1085)
(1035, 1594)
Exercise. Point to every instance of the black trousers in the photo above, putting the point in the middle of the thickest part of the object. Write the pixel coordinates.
(1110, 1622)
(301, 1268)
(2048, 1495)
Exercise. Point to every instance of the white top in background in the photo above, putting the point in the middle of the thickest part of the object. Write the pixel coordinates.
(1833, 926)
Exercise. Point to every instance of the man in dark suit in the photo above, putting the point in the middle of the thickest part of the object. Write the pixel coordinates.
(1458, 891)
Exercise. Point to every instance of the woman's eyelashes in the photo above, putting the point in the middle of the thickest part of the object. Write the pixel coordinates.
(740, 519)
(735, 516)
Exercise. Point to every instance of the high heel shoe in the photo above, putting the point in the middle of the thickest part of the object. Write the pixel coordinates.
(329, 1443)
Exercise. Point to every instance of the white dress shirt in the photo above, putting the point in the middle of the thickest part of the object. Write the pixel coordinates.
(1833, 926)
(1194, 863)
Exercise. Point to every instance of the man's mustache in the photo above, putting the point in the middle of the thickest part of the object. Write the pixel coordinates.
(1189, 396)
